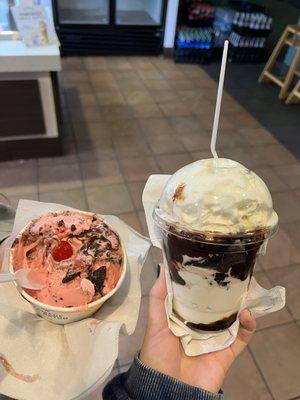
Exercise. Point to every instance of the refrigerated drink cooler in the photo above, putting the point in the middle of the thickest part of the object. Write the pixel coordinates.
(110, 27)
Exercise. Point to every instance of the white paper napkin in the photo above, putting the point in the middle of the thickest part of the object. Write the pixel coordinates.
(258, 300)
(71, 360)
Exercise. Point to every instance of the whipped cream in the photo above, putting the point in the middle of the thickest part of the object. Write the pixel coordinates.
(217, 196)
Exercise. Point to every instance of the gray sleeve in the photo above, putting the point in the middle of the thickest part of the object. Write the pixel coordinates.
(141, 382)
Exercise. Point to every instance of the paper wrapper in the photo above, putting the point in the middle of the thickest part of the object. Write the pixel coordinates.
(258, 300)
(70, 360)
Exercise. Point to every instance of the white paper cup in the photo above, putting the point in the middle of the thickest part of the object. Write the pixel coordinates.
(66, 315)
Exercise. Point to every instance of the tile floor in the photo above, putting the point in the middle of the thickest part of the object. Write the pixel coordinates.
(127, 118)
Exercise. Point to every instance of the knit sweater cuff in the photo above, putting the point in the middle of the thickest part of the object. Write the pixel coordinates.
(143, 382)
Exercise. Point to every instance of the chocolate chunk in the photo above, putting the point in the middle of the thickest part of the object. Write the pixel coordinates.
(220, 278)
(214, 326)
(61, 223)
(174, 273)
(97, 277)
(73, 228)
(70, 275)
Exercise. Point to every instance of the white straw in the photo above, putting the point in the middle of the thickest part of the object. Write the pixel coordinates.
(218, 102)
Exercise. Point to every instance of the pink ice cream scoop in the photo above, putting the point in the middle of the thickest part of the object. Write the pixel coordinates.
(77, 256)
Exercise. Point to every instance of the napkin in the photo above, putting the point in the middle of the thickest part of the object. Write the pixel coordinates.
(65, 361)
(258, 300)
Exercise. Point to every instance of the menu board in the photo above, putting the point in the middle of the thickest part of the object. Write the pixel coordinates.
(35, 26)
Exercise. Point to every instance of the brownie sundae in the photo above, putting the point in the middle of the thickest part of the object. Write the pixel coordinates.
(76, 256)
(214, 216)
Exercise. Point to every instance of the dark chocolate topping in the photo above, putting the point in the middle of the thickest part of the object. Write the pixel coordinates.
(214, 326)
(97, 278)
(70, 275)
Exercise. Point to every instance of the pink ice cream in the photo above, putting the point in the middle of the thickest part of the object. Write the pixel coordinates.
(76, 256)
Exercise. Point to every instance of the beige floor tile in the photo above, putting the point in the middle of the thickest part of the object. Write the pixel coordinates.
(114, 113)
(289, 278)
(246, 156)
(68, 156)
(157, 86)
(59, 177)
(101, 172)
(177, 109)
(74, 76)
(113, 199)
(170, 163)
(77, 100)
(271, 179)
(122, 75)
(110, 98)
(131, 84)
(194, 141)
(131, 146)
(138, 168)
(72, 63)
(243, 119)
(201, 107)
(19, 179)
(165, 144)
(257, 136)
(156, 126)
(193, 71)
(92, 132)
(118, 63)
(207, 84)
(129, 345)
(163, 96)
(277, 353)
(14, 200)
(150, 74)
(101, 149)
(101, 76)
(244, 381)
(281, 251)
(202, 155)
(136, 97)
(147, 111)
(139, 63)
(287, 206)
(85, 114)
(228, 138)
(190, 95)
(181, 84)
(173, 74)
(72, 198)
(136, 191)
(276, 318)
(182, 125)
(293, 230)
(94, 63)
(143, 223)
(132, 220)
(290, 174)
(78, 87)
(124, 127)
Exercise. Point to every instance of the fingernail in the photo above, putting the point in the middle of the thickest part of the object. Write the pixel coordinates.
(157, 270)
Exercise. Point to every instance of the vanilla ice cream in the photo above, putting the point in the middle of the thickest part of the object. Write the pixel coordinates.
(215, 216)
(228, 198)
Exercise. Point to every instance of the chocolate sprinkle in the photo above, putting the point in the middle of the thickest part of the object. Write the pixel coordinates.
(70, 275)
(178, 194)
(73, 228)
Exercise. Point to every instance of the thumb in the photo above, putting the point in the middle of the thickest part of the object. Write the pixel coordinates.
(157, 318)
(245, 333)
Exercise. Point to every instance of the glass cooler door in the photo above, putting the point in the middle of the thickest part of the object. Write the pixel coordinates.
(139, 12)
(87, 12)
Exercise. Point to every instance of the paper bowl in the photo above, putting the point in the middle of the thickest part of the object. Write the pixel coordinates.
(66, 315)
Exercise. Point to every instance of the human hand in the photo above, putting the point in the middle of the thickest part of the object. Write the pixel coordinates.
(163, 351)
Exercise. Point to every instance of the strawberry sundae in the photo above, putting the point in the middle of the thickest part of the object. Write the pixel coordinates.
(77, 256)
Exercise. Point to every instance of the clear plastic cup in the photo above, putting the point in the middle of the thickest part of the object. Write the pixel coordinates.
(210, 272)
